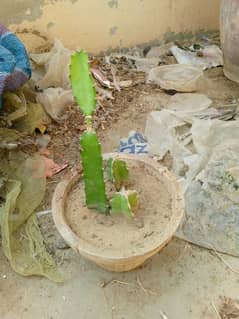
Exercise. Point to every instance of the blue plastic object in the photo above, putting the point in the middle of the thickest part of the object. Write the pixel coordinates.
(15, 67)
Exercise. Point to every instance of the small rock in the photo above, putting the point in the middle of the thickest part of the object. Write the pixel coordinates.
(140, 223)
(103, 220)
(62, 245)
(148, 234)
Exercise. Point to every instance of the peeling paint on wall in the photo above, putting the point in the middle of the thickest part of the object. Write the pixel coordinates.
(50, 25)
(113, 30)
(113, 3)
(112, 23)
(16, 11)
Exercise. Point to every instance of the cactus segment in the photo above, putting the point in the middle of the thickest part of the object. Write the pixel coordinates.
(109, 170)
(120, 205)
(92, 163)
(124, 202)
(133, 198)
(82, 83)
(117, 172)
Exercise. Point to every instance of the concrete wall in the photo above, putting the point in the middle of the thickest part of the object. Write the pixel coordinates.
(101, 24)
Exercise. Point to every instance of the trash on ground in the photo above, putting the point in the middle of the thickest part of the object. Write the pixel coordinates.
(159, 51)
(205, 157)
(15, 106)
(34, 119)
(56, 65)
(205, 58)
(10, 139)
(103, 94)
(135, 143)
(42, 141)
(51, 168)
(126, 83)
(23, 190)
(55, 101)
(177, 77)
(101, 78)
(187, 104)
(229, 308)
(141, 64)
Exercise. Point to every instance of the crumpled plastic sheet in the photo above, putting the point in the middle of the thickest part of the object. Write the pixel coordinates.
(206, 160)
(177, 77)
(23, 116)
(212, 193)
(56, 65)
(210, 56)
(55, 100)
(22, 191)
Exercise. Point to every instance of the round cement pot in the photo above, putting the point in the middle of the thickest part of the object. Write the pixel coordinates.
(117, 243)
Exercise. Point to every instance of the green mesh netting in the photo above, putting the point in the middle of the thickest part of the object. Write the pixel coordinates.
(22, 190)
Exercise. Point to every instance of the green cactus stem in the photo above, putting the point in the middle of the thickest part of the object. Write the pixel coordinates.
(82, 83)
(124, 202)
(84, 92)
(117, 172)
(92, 163)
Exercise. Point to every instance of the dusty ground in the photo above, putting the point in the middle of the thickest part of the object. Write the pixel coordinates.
(183, 281)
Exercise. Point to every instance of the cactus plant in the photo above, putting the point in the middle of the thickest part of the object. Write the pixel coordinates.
(92, 162)
(125, 202)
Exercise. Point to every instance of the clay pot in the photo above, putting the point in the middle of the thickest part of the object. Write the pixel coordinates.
(229, 27)
(123, 260)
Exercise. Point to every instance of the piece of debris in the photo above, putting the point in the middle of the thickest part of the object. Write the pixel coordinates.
(134, 144)
(56, 65)
(55, 101)
(115, 80)
(186, 105)
(42, 142)
(205, 58)
(159, 51)
(138, 284)
(126, 83)
(101, 78)
(34, 119)
(141, 64)
(51, 168)
(205, 159)
(177, 77)
(229, 308)
(162, 314)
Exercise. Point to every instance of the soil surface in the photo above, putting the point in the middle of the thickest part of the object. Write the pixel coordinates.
(142, 234)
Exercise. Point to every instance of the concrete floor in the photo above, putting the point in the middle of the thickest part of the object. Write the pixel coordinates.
(183, 282)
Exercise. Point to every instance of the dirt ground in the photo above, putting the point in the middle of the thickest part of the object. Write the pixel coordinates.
(181, 282)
